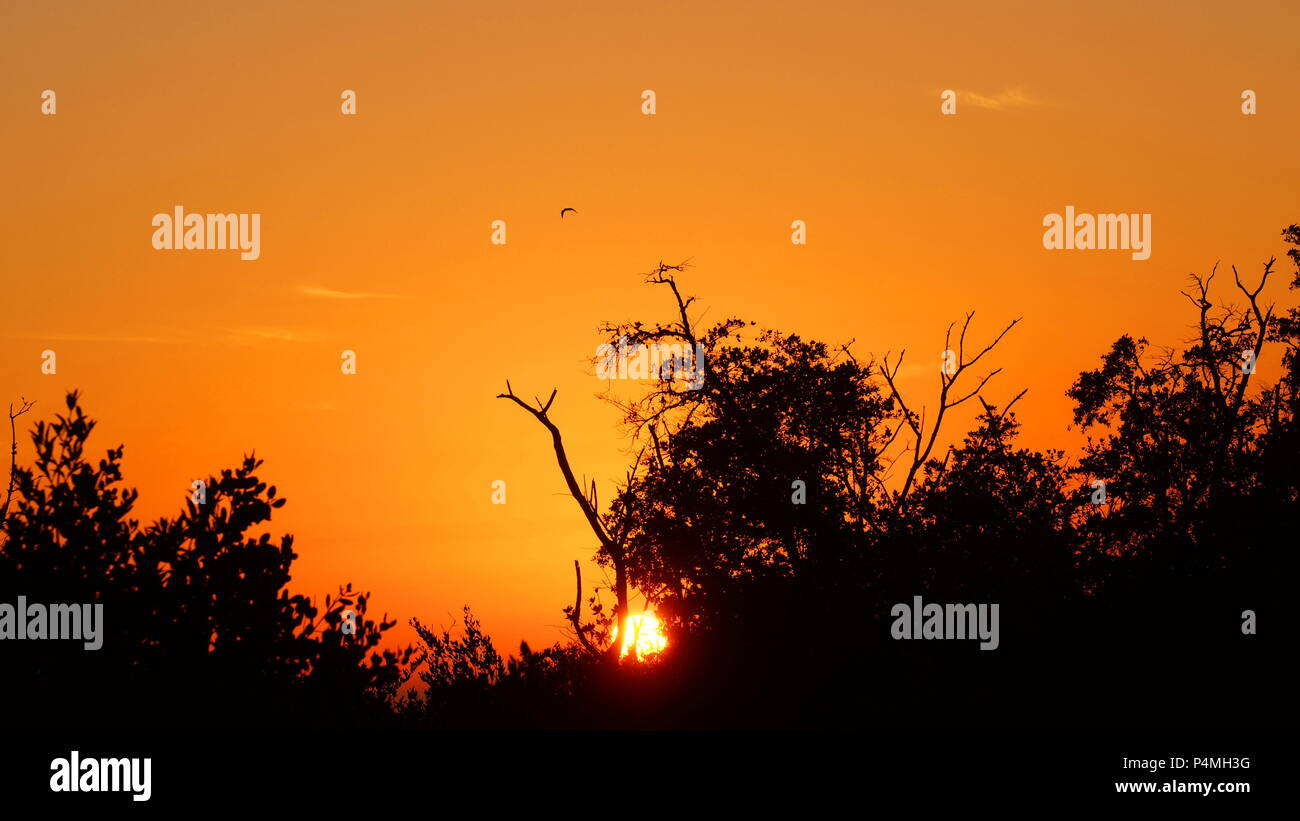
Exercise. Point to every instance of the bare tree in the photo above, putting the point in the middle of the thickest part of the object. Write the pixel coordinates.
(923, 439)
(13, 456)
(1228, 345)
(611, 530)
(1230, 339)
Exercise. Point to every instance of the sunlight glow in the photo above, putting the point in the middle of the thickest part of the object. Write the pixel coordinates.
(646, 633)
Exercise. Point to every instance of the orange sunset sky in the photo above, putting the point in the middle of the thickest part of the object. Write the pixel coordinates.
(375, 231)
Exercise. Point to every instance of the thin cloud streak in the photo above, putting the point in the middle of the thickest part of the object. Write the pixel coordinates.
(330, 293)
(1007, 98)
(247, 335)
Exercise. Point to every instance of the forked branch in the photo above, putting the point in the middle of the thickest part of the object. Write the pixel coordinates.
(13, 456)
(612, 545)
(924, 441)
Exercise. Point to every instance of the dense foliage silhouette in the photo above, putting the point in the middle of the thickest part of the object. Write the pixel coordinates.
(772, 517)
(198, 622)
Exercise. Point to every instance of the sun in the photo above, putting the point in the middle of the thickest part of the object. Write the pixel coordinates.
(646, 632)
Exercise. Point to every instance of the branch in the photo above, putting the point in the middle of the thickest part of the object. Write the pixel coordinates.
(946, 381)
(612, 546)
(576, 616)
(575, 490)
(1261, 318)
(13, 457)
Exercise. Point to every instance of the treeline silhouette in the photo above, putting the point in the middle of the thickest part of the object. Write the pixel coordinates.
(198, 625)
(1120, 602)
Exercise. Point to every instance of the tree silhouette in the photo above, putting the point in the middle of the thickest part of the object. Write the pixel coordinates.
(760, 519)
(196, 614)
(1182, 445)
(763, 517)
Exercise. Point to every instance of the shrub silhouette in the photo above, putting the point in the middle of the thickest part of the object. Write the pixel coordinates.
(196, 611)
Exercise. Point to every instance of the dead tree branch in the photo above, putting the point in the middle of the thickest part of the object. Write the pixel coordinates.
(923, 443)
(613, 546)
(576, 615)
(13, 457)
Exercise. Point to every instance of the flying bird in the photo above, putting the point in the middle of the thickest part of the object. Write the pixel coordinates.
(562, 210)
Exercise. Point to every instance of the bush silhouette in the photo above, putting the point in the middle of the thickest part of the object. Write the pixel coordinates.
(197, 616)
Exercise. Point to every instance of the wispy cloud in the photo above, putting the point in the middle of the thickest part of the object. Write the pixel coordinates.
(330, 293)
(1007, 98)
(265, 334)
